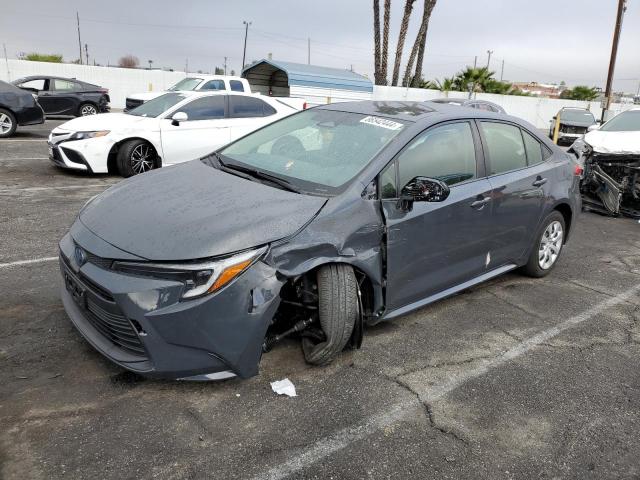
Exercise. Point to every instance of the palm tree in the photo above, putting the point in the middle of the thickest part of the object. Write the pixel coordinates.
(420, 39)
(580, 92)
(444, 85)
(472, 79)
(385, 42)
(428, 6)
(376, 41)
(404, 26)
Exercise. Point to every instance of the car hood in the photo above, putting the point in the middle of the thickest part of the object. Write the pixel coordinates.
(106, 121)
(623, 143)
(193, 211)
(145, 96)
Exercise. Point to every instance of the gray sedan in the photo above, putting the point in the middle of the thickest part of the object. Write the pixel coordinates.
(317, 225)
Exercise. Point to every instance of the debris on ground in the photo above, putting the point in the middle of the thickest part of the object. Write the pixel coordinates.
(284, 387)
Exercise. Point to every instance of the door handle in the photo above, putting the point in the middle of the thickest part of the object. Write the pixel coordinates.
(479, 204)
(539, 182)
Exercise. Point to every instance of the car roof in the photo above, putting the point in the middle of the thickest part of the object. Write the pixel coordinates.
(414, 111)
(206, 93)
(576, 108)
(206, 76)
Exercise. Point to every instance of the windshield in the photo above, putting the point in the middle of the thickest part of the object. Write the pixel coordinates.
(624, 122)
(157, 106)
(189, 83)
(577, 116)
(315, 150)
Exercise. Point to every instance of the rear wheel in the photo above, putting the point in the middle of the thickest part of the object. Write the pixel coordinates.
(338, 311)
(8, 123)
(547, 247)
(134, 157)
(87, 109)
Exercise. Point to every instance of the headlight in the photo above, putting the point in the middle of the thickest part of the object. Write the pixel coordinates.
(198, 278)
(85, 135)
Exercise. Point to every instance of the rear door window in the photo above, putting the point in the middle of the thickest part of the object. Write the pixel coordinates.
(64, 85)
(236, 86)
(445, 152)
(205, 108)
(247, 107)
(534, 149)
(505, 147)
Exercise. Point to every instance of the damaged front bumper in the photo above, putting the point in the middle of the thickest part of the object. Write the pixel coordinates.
(611, 183)
(142, 324)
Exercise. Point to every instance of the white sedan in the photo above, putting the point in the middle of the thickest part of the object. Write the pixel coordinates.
(172, 128)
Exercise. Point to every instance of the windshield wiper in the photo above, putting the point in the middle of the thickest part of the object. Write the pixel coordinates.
(257, 174)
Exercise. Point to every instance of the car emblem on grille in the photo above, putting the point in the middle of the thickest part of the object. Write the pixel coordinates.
(80, 256)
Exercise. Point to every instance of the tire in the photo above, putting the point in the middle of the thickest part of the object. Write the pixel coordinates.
(135, 157)
(8, 123)
(86, 109)
(542, 260)
(338, 310)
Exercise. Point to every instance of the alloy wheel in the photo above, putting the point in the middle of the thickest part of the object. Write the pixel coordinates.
(88, 110)
(550, 245)
(142, 159)
(6, 124)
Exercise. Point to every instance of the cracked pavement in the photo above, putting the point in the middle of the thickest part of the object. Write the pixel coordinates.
(567, 407)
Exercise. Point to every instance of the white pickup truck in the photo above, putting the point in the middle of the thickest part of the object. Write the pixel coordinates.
(194, 82)
(208, 82)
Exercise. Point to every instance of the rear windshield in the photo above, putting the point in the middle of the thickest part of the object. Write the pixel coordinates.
(624, 122)
(316, 150)
(577, 116)
(157, 106)
(185, 84)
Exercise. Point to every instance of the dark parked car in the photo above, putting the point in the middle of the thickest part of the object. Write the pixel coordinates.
(574, 123)
(335, 217)
(17, 108)
(477, 104)
(66, 96)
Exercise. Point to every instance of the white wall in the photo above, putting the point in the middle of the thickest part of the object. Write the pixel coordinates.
(535, 110)
(124, 81)
(119, 81)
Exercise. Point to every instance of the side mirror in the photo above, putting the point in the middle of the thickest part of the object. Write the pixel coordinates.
(593, 127)
(422, 189)
(179, 117)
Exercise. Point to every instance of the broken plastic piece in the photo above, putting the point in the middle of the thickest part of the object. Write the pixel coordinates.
(284, 387)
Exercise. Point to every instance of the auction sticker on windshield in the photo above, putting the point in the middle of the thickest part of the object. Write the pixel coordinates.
(382, 122)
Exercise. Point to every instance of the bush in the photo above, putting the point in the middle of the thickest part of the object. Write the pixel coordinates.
(44, 57)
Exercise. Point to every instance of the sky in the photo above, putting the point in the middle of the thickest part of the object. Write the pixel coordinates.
(539, 40)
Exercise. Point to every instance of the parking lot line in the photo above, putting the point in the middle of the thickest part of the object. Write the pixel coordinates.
(342, 439)
(26, 158)
(27, 262)
(23, 140)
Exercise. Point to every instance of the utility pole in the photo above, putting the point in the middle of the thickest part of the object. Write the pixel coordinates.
(246, 32)
(86, 53)
(225, 65)
(502, 70)
(489, 53)
(186, 66)
(475, 61)
(6, 60)
(79, 41)
(622, 6)
(309, 51)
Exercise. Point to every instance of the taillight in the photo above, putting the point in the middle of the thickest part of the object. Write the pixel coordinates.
(103, 90)
(577, 171)
(304, 106)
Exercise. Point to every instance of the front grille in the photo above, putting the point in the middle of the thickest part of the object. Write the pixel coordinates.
(570, 129)
(133, 103)
(115, 327)
(101, 311)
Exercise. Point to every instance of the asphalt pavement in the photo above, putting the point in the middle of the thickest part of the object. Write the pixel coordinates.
(515, 378)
